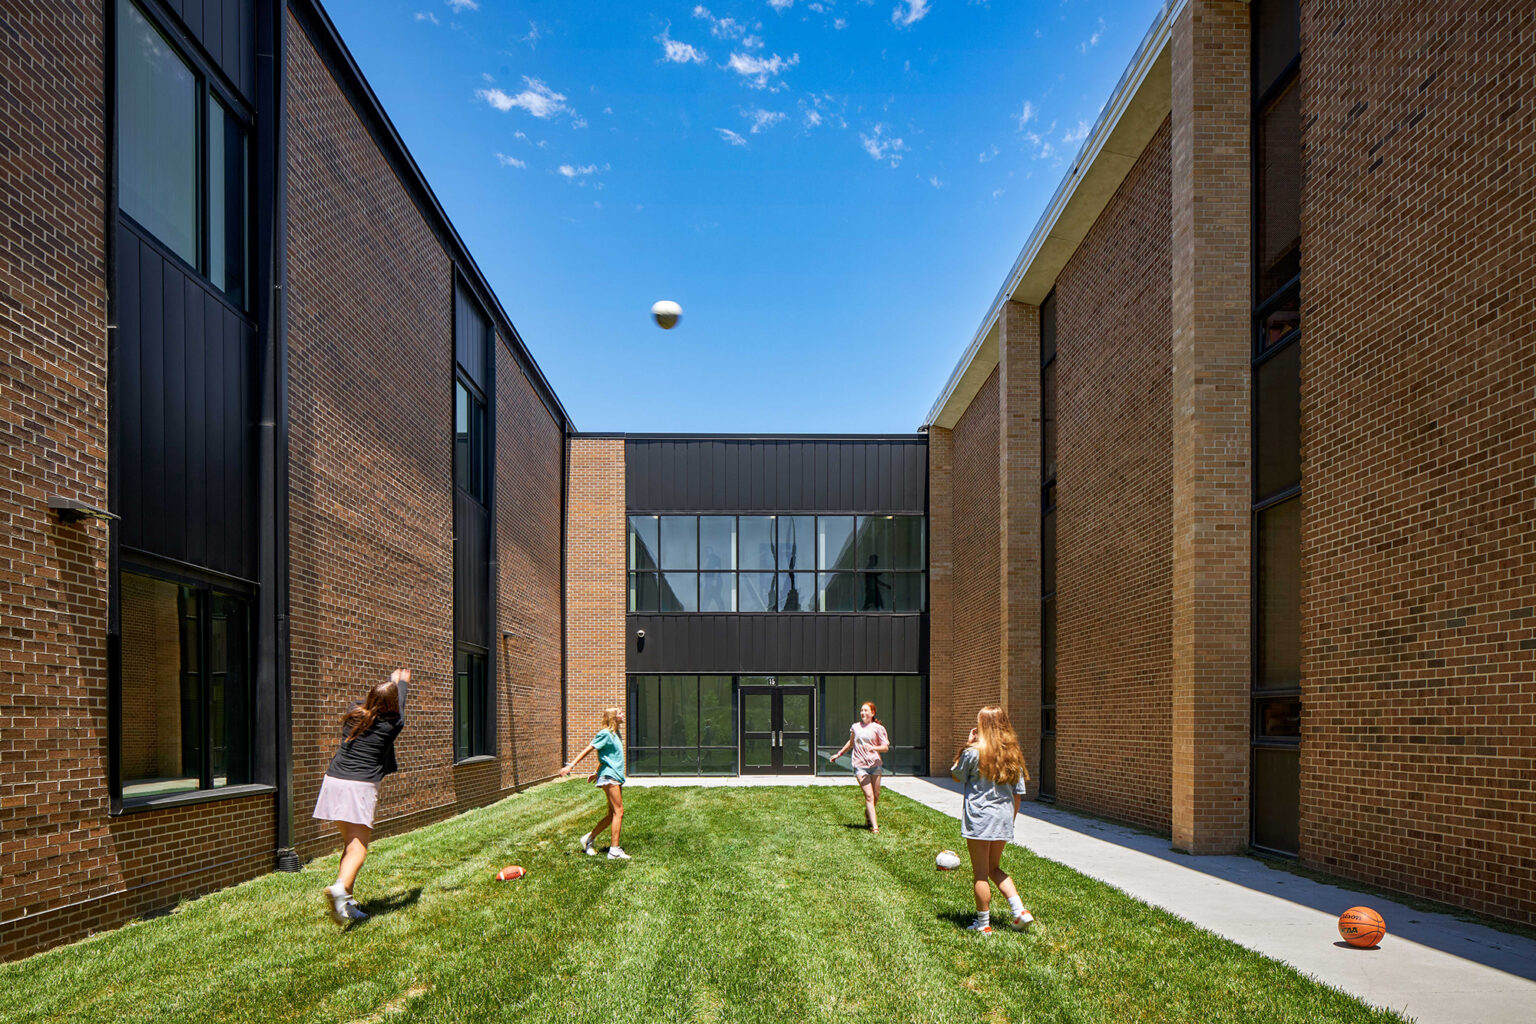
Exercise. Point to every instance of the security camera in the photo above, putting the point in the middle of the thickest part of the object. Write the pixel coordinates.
(640, 633)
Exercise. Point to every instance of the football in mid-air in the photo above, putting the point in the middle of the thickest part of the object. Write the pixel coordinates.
(666, 313)
(947, 860)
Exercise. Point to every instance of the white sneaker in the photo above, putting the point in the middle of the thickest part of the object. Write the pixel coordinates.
(355, 912)
(586, 844)
(336, 899)
(617, 853)
(1022, 921)
(977, 926)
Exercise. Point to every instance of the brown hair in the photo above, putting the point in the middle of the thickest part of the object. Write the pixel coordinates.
(611, 719)
(874, 716)
(383, 699)
(997, 748)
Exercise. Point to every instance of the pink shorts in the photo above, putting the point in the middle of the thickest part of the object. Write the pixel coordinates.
(347, 800)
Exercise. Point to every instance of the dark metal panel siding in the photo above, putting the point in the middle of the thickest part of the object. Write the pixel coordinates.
(747, 475)
(226, 29)
(471, 337)
(185, 415)
(471, 579)
(778, 643)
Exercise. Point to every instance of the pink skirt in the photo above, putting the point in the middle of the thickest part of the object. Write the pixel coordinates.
(347, 800)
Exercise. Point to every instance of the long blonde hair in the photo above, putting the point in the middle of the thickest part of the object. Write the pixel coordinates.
(997, 748)
(611, 719)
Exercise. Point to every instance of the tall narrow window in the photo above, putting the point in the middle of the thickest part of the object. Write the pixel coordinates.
(228, 202)
(474, 733)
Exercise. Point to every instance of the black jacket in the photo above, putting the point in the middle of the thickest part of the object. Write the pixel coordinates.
(371, 756)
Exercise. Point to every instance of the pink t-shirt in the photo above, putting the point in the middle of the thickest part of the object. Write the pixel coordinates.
(865, 737)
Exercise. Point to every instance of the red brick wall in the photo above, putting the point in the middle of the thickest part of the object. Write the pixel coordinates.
(529, 454)
(976, 624)
(1419, 449)
(597, 587)
(1113, 554)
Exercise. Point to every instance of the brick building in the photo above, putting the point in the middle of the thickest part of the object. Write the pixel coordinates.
(1229, 500)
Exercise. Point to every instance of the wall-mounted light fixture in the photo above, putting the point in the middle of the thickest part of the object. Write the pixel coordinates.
(70, 510)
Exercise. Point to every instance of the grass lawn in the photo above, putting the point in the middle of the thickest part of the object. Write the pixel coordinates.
(740, 905)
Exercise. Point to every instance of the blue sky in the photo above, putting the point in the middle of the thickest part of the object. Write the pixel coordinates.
(833, 191)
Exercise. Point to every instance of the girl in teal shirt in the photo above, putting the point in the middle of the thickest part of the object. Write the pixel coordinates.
(609, 777)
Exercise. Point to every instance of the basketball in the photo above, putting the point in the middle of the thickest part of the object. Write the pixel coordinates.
(1362, 926)
(510, 872)
(666, 314)
(947, 860)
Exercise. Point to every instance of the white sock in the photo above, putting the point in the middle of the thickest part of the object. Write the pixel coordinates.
(1016, 904)
(586, 839)
(984, 918)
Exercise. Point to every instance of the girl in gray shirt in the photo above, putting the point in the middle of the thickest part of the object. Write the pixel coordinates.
(990, 770)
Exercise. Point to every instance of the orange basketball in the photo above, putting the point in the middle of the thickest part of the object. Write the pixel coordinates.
(1362, 926)
(510, 872)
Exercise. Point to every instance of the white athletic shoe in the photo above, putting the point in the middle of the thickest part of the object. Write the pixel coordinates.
(617, 853)
(336, 902)
(979, 928)
(586, 844)
(1022, 921)
(355, 912)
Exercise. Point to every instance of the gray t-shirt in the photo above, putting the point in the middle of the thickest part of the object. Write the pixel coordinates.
(988, 810)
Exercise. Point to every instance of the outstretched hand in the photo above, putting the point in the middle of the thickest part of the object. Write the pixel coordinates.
(400, 675)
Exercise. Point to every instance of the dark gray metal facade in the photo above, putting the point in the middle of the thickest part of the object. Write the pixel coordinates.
(777, 474)
(227, 31)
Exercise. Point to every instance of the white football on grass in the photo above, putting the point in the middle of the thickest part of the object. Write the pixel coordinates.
(947, 860)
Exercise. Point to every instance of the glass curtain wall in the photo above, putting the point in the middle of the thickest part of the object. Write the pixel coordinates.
(1277, 484)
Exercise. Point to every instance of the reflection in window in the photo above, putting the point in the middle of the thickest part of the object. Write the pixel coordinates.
(835, 542)
(797, 591)
(157, 134)
(717, 543)
(717, 592)
(797, 543)
(838, 591)
(679, 542)
(469, 442)
(679, 592)
(757, 542)
(877, 588)
(755, 592)
(644, 592)
(472, 733)
(644, 533)
(228, 202)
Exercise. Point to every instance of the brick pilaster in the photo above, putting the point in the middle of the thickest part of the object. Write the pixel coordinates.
(596, 586)
(1018, 396)
(1211, 447)
(941, 599)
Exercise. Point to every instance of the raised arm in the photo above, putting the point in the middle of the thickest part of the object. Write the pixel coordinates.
(401, 677)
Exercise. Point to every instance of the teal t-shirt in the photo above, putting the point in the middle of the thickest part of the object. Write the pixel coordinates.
(610, 751)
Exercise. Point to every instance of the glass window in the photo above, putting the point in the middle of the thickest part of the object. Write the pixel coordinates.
(469, 448)
(679, 542)
(679, 712)
(717, 543)
(908, 591)
(717, 592)
(1048, 653)
(186, 688)
(797, 591)
(1279, 593)
(755, 592)
(1279, 718)
(874, 543)
(679, 591)
(797, 551)
(228, 202)
(1277, 207)
(1276, 40)
(838, 591)
(1277, 441)
(756, 542)
(644, 592)
(907, 543)
(644, 532)
(1277, 798)
(835, 542)
(1280, 320)
(472, 733)
(716, 723)
(1048, 552)
(900, 704)
(157, 154)
(645, 711)
(876, 591)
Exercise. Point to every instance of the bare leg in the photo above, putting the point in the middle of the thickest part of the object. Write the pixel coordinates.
(354, 850)
(615, 810)
(995, 870)
(981, 865)
(870, 784)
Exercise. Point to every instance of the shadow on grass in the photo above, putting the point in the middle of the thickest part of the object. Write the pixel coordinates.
(390, 903)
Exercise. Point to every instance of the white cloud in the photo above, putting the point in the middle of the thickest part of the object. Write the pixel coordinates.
(1044, 150)
(428, 16)
(680, 53)
(510, 161)
(760, 71)
(909, 12)
(882, 147)
(997, 192)
(577, 172)
(1078, 134)
(1093, 40)
(732, 137)
(781, 5)
(752, 42)
(538, 99)
(816, 110)
(935, 182)
(460, 6)
(487, 76)
(1026, 115)
(839, 23)
(761, 118)
(533, 36)
(812, 118)
(987, 154)
(727, 28)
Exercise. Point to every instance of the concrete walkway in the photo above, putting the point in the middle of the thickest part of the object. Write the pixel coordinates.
(1432, 968)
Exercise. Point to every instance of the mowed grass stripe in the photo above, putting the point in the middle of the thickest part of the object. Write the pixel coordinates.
(742, 905)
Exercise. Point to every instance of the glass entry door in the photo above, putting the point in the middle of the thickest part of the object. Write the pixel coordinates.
(777, 731)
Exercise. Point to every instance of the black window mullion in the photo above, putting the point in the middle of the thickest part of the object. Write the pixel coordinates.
(205, 684)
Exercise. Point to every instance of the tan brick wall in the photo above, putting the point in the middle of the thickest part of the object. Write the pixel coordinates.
(1018, 394)
(1419, 449)
(1114, 488)
(976, 652)
(596, 586)
(941, 602)
(1212, 498)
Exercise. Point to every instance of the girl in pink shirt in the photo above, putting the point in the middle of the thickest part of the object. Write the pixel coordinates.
(869, 740)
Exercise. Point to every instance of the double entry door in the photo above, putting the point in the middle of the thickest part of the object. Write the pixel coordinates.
(777, 730)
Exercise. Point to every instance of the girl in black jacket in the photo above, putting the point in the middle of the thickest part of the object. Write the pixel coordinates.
(350, 790)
